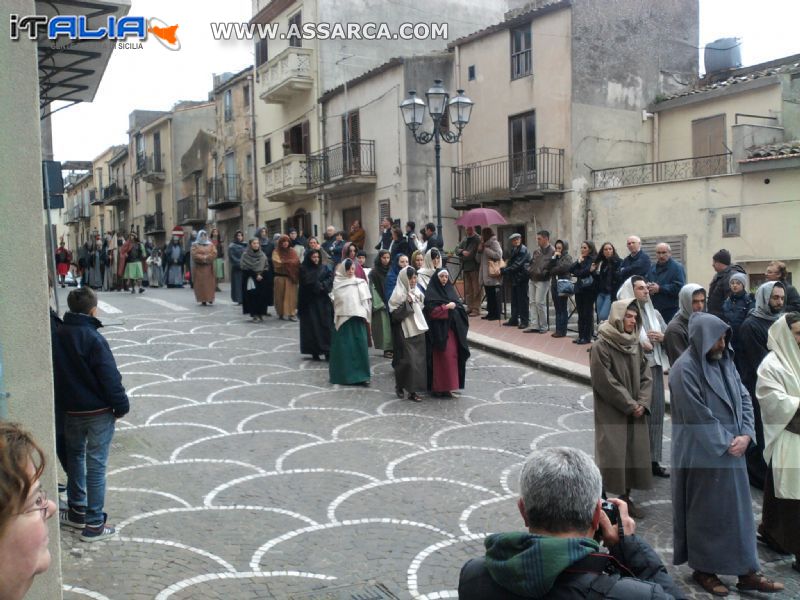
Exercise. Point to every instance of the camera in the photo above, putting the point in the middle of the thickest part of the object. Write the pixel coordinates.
(611, 510)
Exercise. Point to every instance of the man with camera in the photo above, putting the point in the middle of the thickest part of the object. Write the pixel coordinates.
(561, 505)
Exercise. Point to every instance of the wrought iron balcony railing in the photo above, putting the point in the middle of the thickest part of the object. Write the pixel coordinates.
(224, 192)
(665, 170)
(340, 161)
(518, 176)
(191, 210)
(115, 193)
(154, 223)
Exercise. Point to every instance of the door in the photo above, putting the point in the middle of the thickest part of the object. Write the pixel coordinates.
(230, 176)
(348, 216)
(708, 142)
(157, 151)
(351, 147)
(522, 151)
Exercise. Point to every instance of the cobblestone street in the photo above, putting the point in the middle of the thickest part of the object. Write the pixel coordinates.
(240, 472)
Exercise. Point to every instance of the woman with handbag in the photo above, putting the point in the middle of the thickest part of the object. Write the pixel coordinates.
(585, 292)
(489, 277)
(558, 268)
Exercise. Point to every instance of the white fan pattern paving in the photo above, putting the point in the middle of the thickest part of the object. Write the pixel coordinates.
(240, 472)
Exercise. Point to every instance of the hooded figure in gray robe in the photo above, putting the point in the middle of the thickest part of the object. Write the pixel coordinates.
(713, 527)
(676, 337)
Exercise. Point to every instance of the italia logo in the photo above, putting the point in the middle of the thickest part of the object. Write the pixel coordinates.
(77, 27)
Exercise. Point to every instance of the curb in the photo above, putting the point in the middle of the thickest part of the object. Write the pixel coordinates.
(551, 364)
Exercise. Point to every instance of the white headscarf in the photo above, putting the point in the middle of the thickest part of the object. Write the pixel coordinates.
(778, 393)
(426, 272)
(414, 324)
(351, 297)
(650, 322)
(202, 238)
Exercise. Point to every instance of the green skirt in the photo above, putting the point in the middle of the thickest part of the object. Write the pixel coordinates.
(133, 270)
(349, 356)
(219, 268)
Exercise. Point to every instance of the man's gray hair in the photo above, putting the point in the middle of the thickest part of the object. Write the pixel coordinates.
(560, 488)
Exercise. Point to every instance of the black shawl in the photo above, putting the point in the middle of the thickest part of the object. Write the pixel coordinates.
(377, 276)
(437, 295)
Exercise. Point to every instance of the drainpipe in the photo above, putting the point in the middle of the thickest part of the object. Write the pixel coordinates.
(254, 174)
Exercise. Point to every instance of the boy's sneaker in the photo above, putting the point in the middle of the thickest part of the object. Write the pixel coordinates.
(72, 518)
(96, 533)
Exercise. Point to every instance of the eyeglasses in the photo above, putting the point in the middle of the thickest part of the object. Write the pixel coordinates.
(40, 503)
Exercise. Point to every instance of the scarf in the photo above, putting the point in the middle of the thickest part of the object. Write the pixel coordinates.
(202, 238)
(414, 324)
(378, 275)
(528, 565)
(286, 260)
(425, 273)
(351, 298)
(650, 322)
(309, 272)
(253, 260)
(762, 309)
(613, 331)
(391, 278)
(437, 295)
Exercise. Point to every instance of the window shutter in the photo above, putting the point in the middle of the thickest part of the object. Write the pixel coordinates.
(676, 242)
(287, 142)
(306, 148)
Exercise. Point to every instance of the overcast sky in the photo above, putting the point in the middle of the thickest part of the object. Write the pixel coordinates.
(153, 78)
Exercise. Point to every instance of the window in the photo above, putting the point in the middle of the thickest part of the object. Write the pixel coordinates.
(296, 139)
(351, 135)
(273, 227)
(522, 150)
(730, 226)
(246, 95)
(228, 104)
(521, 60)
(471, 73)
(262, 55)
(267, 153)
(248, 162)
(295, 23)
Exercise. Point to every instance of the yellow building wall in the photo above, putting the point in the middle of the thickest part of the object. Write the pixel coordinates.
(769, 216)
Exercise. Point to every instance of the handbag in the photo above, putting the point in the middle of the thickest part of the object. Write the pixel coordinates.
(251, 285)
(564, 287)
(585, 283)
(495, 266)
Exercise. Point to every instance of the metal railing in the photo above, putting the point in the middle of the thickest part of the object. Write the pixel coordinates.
(154, 223)
(337, 162)
(514, 176)
(113, 191)
(149, 164)
(665, 170)
(191, 209)
(225, 189)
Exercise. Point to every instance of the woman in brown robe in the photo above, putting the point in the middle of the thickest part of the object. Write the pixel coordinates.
(203, 255)
(286, 269)
(357, 235)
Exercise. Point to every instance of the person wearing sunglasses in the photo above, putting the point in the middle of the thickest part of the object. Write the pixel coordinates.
(24, 511)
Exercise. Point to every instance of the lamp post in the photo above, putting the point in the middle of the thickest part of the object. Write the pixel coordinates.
(459, 110)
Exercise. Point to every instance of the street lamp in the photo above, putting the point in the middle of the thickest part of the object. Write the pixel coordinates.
(459, 110)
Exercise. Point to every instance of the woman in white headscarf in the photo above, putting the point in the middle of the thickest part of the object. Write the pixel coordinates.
(778, 392)
(203, 255)
(433, 261)
(651, 338)
(352, 309)
(408, 333)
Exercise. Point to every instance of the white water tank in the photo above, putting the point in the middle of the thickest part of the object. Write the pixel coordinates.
(723, 55)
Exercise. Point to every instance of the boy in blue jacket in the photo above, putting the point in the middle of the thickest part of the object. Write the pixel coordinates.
(93, 397)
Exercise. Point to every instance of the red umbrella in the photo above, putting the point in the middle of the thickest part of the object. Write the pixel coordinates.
(482, 217)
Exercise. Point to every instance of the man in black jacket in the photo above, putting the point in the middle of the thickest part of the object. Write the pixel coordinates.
(637, 262)
(719, 288)
(559, 557)
(93, 398)
(516, 271)
(385, 241)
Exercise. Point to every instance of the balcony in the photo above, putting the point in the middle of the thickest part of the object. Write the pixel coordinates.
(224, 192)
(285, 180)
(95, 199)
(665, 170)
(150, 168)
(522, 176)
(191, 211)
(154, 223)
(71, 217)
(343, 168)
(83, 212)
(115, 194)
(286, 76)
